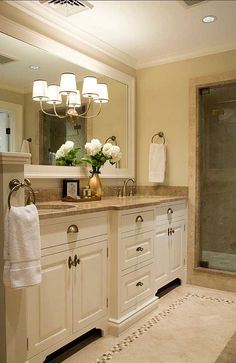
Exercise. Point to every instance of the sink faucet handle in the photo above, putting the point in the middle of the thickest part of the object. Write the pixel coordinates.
(118, 192)
(125, 185)
(132, 191)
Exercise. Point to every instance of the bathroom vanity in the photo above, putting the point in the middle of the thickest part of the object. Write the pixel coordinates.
(102, 263)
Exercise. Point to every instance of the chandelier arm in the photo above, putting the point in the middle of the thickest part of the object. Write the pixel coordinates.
(56, 114)
(47, 113)
(86, 112)
(92, 116)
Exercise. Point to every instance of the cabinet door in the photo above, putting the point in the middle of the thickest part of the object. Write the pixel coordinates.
(161, 253)
(176, 249)
(89, 284)
(49, 304)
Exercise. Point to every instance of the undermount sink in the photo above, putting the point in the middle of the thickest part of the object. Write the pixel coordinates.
(53, 207)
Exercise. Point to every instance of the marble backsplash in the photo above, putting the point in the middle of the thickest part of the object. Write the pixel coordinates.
(52, 193)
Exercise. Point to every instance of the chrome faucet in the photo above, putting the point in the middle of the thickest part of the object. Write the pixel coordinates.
(124, 189)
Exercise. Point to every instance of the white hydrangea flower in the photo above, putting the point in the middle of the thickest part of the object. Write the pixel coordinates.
(116, 158)
(64, 149)
(115, 153)
(60, 153)
(68, 146)
(93, 147)
(107, 149)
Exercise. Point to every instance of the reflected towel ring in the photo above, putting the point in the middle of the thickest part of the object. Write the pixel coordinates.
(161, 135)
(15, 185)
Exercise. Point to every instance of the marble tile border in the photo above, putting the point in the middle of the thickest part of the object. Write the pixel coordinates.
(154, 320)
(196, 276)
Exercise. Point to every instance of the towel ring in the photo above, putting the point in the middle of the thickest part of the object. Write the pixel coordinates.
(161, 135)
(15, 185)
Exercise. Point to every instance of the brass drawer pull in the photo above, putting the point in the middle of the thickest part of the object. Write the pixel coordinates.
(70, 262)
(72, 229)
(139, 219)
(139, 249)
(76, 261)
(170, 211)
(140, 283)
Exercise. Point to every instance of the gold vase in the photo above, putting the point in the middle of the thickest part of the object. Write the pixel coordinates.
(96, 185)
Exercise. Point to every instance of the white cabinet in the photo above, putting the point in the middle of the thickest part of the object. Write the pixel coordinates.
(72, 297)
(177, 242)
(131, 265)
(169, 244)
(89, 285)
(49, 304)
(85, 287)
(162, 256)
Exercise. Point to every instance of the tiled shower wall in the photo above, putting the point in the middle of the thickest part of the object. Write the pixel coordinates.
(218, 169)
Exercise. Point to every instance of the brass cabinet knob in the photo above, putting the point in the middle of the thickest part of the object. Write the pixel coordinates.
(140, 283)
(139, 249)
(72, 229)
(139, 219)
(170, 211)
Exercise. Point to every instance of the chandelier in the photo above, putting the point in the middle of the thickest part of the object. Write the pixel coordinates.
(52, 95)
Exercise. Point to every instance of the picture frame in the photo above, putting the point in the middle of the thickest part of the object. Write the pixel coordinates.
(71, 188)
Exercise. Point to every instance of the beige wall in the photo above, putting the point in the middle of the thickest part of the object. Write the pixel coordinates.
(163, 105)
(11, 96)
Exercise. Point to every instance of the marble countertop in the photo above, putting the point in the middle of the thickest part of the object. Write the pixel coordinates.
(61, 209)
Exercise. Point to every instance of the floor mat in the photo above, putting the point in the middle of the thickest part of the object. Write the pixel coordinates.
(194, 328)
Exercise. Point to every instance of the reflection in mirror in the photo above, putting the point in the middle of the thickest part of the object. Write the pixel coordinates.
(22, 119)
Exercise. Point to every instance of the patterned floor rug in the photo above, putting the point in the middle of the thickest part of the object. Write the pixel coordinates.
(194, 329)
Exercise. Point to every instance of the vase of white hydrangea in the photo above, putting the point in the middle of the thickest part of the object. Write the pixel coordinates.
(97, 155)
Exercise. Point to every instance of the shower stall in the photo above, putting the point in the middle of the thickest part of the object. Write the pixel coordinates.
(217, 177)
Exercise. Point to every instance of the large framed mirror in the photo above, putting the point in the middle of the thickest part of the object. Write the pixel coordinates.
(21, 119)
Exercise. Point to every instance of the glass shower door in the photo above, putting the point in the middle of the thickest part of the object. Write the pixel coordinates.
(217, 177)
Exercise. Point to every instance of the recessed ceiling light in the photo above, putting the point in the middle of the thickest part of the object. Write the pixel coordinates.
(34, 67)
(209, 19)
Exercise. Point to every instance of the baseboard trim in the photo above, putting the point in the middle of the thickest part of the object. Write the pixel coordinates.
(118, 326)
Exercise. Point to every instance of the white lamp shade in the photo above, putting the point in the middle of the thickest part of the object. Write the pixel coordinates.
(90, 87)
(67, 84)
(102, 93)
(40, 90)
(54, 96)
(74, 100)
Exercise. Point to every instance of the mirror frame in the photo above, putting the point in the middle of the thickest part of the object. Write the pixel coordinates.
(26, 35)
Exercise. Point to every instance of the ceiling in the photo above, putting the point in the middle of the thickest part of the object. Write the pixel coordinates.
(145, 33)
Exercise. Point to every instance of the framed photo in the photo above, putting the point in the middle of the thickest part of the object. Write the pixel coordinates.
(71, 188)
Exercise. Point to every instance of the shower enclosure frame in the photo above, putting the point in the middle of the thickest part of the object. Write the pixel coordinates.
(199, 275)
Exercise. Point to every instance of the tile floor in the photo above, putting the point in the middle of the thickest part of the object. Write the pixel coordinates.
(179, 339)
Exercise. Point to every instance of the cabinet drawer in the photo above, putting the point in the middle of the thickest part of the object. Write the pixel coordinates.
(56, 233)
(136, 249)
(168, 212)
(137, 221)
(135, 287)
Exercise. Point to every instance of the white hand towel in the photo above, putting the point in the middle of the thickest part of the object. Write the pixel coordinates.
(157, 163)
(22, 250)
(25, 147)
